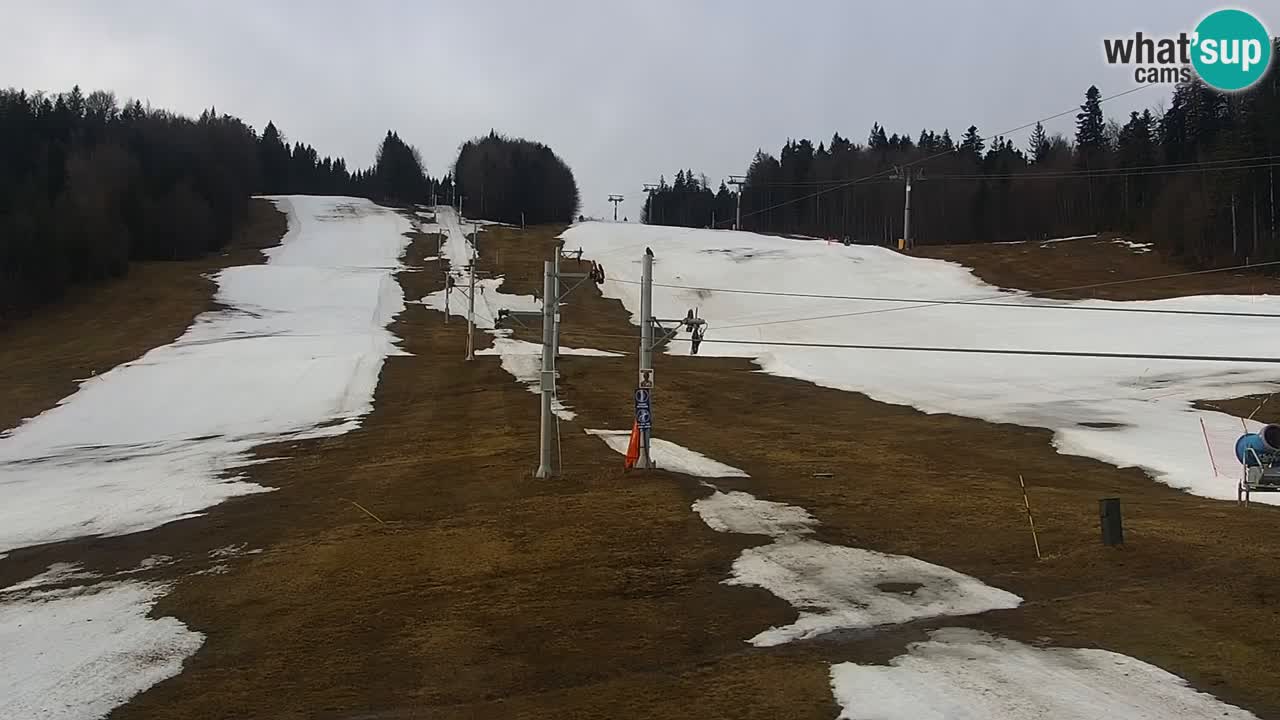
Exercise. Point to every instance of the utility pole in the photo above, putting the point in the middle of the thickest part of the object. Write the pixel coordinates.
(555, 313)
(646, 343)
(1235, 241)
(907, 174)
(739, 181)
(548, 378)
(471, 308)
(615, 199)
(549, 434)
(644, 385)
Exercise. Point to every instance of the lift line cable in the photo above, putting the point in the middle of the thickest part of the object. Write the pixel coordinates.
(988, 300)
(924, 302)
(977, 351)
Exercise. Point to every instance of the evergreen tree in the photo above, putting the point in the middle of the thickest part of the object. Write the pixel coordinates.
(877, 140)
(503, 178)
(1091, 140)
(1038, 144)
(972, 144)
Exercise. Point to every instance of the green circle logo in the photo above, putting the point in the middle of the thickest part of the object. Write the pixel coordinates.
(1232, 50)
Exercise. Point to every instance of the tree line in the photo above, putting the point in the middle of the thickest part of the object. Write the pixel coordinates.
(514, 180)
(688, 201)
(1197, 179)
(88, 184)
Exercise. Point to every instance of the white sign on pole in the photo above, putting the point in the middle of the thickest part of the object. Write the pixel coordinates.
(646, 378)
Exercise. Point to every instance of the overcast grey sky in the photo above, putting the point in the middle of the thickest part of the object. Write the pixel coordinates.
(623, 92)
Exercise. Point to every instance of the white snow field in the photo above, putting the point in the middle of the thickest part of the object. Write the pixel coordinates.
(1128, 412)
(76, 654)
(294, 352)
(962, 674)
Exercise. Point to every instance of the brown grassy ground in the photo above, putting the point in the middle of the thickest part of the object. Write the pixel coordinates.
(97, 328)
(1049, 266)
(1194, 578)
(482, 592)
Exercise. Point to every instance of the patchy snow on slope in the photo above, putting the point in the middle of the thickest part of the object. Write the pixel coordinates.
(1067, 239)
(77, 654)
(961, 673)
(667, 455)
(833, 587)
(56, 574)
(523, 360)
(294, 352)
(842, 588)
(1129, 412)
(456, 248)
(489, 300)
(744, 513)
(1137, 247)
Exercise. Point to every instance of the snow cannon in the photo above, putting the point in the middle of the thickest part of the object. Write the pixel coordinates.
(1259, 455)
(1260, 447)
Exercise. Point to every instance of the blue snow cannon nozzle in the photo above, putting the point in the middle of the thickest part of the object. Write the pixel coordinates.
(1265, 445)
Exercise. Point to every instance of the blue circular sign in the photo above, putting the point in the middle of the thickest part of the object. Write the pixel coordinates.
(1231, 50)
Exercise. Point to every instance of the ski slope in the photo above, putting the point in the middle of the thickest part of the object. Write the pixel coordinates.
(1127, 412)
(293, 352)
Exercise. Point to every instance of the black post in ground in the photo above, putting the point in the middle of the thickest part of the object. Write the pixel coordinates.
(1112, 528)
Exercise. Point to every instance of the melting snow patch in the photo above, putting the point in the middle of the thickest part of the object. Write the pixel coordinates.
(489, 300)
(670, 456)
(1134, 246)
(1065, 239)
(57, 574)
(78, 654)
(1161, 431)
(523, 360)
(835, 587)
(230, 551)
(961, 673)
(739, 512)
(295, 353)
(838, 588)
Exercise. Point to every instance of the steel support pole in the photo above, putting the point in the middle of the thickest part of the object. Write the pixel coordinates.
(548, 378)
(471, 310)
(555, 317)
(646, 343)
(906, 215)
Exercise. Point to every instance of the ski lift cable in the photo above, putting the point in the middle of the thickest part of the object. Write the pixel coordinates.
(924, 302)
(1238, 359)
(989, 300)
(1242, 163)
